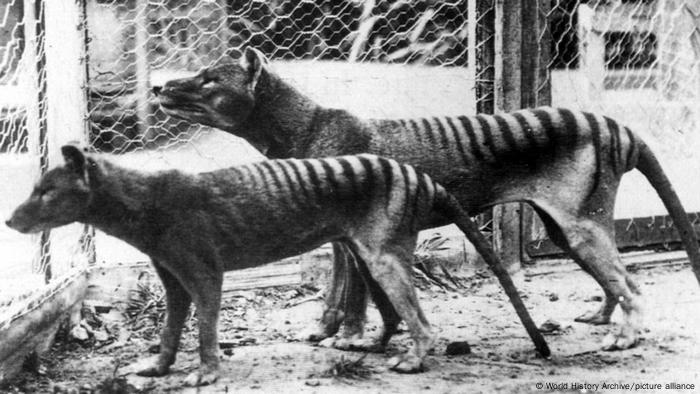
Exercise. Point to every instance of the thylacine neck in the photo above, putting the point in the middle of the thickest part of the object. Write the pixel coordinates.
(121, 203)
(283, 122)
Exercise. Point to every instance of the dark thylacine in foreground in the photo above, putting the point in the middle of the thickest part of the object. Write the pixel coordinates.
(195, 227)
(566, 164)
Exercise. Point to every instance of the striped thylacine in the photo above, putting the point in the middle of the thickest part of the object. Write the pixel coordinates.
(196, 227)
(567, 164)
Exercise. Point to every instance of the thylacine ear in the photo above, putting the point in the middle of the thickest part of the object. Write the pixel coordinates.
(74, 158)
(254, 62)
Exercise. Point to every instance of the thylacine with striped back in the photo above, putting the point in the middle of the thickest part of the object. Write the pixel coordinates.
(195, 227)
(567, 164)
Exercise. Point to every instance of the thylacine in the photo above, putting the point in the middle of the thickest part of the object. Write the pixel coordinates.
(566, 164)
(195, 227)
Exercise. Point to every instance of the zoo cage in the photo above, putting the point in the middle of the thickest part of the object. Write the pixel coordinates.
(81, 70)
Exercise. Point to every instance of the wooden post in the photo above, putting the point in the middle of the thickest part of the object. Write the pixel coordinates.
(66, 102)
(591, 49)
(34, 33)
(142, 70)
(535, 91)
(506, 217)
(521, 81)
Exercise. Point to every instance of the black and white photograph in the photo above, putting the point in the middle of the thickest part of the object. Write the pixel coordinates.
(349, 196)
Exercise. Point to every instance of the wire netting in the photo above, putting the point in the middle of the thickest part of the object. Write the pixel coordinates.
(336, 52)
(637, 61)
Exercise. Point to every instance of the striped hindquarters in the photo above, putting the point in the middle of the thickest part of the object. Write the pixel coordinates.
(525, 136)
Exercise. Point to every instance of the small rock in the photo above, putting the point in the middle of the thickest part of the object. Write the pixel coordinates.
(313, 382)
(228, 352)
(595, 298)
(100, 335)
(550, 326)
(457, 348)
(79, 333)
(553, 297)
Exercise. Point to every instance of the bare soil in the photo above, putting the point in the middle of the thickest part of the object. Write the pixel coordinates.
(268, 358)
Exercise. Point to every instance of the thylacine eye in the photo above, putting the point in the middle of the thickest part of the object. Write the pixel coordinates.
(210, 82)
(47, 194)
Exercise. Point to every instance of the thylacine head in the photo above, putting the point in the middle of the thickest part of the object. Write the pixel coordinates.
(221, 96)
(61, 196)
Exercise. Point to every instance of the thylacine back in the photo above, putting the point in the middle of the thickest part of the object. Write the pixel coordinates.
(195, 227)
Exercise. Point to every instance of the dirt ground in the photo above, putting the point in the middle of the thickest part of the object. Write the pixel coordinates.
(265, 324)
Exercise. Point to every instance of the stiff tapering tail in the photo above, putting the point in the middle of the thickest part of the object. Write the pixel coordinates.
(448, 206)
(648, 165)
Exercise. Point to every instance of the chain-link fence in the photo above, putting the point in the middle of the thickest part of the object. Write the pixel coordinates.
(639, 62)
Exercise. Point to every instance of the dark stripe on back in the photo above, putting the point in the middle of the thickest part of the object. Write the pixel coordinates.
(597, 144)
(546, 121)
(507, 133)
(330, 174)
(429, 131)
(416, 130)
(313, 177)
(614, 143)
(570, 124)
(388, 176)
(349, 173)
(248, 173)
(273, 174)
(527, 128)
(443, 135)
(265, 184)
(473, 142)
(290, 183)
(458, 140)
(298, 178)
(488, 136)
(368, 178)
(407, 214)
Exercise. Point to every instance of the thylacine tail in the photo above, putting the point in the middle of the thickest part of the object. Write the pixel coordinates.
(648, 165)
(447, 205)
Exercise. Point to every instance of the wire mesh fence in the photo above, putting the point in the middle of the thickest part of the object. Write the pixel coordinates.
(639, 62)
(336, 52)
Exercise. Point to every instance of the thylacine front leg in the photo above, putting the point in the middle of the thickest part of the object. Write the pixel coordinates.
(177, 306)
(205, 287)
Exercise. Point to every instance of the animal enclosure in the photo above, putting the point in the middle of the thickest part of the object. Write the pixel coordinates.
(82, 71)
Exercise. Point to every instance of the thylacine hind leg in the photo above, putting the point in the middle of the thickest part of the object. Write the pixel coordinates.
(602, 315)
(345, 300)
(390, 266)
(589, 238)
(390, 317)
(177, 306)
